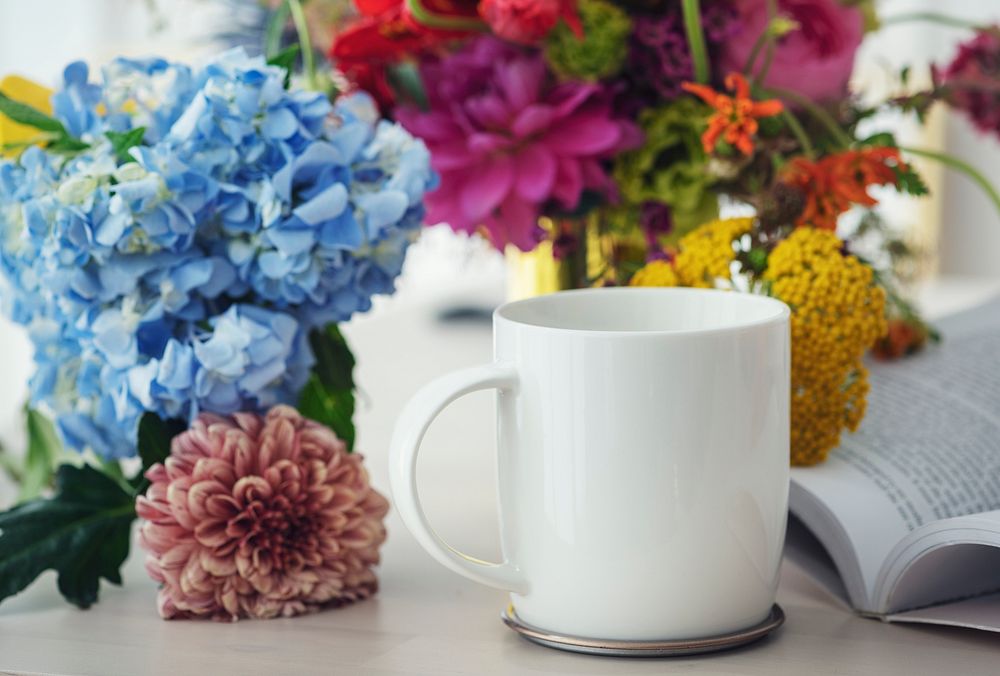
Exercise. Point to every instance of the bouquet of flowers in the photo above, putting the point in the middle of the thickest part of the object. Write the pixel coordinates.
(610, 134)
(180, 245)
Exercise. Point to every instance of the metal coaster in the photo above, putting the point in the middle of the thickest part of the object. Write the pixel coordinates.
(666, 648)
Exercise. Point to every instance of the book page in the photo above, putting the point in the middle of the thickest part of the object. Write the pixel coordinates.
(929, 447)
(982, 612)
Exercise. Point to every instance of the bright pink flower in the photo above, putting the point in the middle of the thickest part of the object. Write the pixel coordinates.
(256, 516)
(815, 59)
(528, 21)
(508, 141)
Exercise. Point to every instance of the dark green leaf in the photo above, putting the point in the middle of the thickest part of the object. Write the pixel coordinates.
(757, 259)
(122, 141)
(328, 397)
(334, 359)
(909, 181)
(405, 80)
(286, 59)
(29, 116)
(67, 144)
(82, 533)
(883, 138)
(154, 438)
(43, 452)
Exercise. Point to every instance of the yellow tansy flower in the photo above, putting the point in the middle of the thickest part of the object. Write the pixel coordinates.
(838, 312)
(707, 252)
(25, 91)
(655, 273)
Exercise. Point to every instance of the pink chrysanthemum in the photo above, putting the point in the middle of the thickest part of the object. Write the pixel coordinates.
(255, 516)
(509, 141)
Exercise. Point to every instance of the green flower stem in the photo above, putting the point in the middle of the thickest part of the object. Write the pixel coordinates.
(769, 46)
(959, 165)
(275, 29)
(931, 17)
(823, 117)
(800, 134)
(302, 29)
(696, 40)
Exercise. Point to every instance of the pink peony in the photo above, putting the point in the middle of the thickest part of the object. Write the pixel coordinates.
(508, 141)
(969, 81)
(815, 60)
(256, 516)
(528, 21)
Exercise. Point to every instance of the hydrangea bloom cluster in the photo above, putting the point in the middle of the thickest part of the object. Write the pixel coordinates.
(183, 274)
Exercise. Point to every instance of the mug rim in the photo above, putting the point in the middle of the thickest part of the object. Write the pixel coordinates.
(780, 311)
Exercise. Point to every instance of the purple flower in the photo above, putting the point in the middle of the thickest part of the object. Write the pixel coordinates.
(659, 58)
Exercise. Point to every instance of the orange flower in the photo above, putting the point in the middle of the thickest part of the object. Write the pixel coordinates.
(835, 183)
(735, 117)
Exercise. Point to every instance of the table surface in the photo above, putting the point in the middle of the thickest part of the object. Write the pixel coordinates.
(425, 620)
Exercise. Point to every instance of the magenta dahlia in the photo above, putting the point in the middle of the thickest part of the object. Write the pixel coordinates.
(260, 516)
(509, 141)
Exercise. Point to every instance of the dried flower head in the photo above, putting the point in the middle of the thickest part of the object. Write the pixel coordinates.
(260, 516)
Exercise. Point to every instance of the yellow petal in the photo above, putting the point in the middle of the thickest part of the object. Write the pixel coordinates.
(25, 91)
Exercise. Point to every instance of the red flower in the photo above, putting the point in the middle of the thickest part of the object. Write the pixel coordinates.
(835, 183)
(389, 30)
(528, 21)
(735, 117)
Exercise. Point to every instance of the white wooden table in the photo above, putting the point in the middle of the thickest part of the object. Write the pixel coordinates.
(426, 620)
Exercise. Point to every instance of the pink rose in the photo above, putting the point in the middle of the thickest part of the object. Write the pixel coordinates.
(527, 21)
(815, 59)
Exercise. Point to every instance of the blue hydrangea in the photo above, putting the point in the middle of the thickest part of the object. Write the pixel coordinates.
(187, 276)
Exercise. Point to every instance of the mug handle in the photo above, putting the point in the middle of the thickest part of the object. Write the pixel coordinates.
(410, 429)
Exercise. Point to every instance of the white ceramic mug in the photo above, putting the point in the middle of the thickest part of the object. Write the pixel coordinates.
(643, 460)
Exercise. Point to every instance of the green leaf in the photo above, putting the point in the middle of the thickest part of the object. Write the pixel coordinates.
(405, 80)
(154, 438)
(328, 397)
(29, 116)
(44, 447)
(883, 138)
(758, 260)
(122, 141)
(82, 533)
(909, 181)
(286, 59)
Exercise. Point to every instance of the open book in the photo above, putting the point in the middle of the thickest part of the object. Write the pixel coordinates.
(903, 520)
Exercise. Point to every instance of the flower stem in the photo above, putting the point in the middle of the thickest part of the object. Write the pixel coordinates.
(769, 46)
(959, 165)
(822, 116)
(932, 17)
(275, 29)
(302, 29)
(696, 40)
(800, 134)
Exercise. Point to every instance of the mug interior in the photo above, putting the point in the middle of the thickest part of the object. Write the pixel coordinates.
(645, 310)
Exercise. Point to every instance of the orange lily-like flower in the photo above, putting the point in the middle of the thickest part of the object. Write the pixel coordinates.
(835, 183)
(735, 117)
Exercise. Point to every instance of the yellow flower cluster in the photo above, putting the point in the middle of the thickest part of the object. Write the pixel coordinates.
(707, 252)
(655, 273)
(838, 312)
